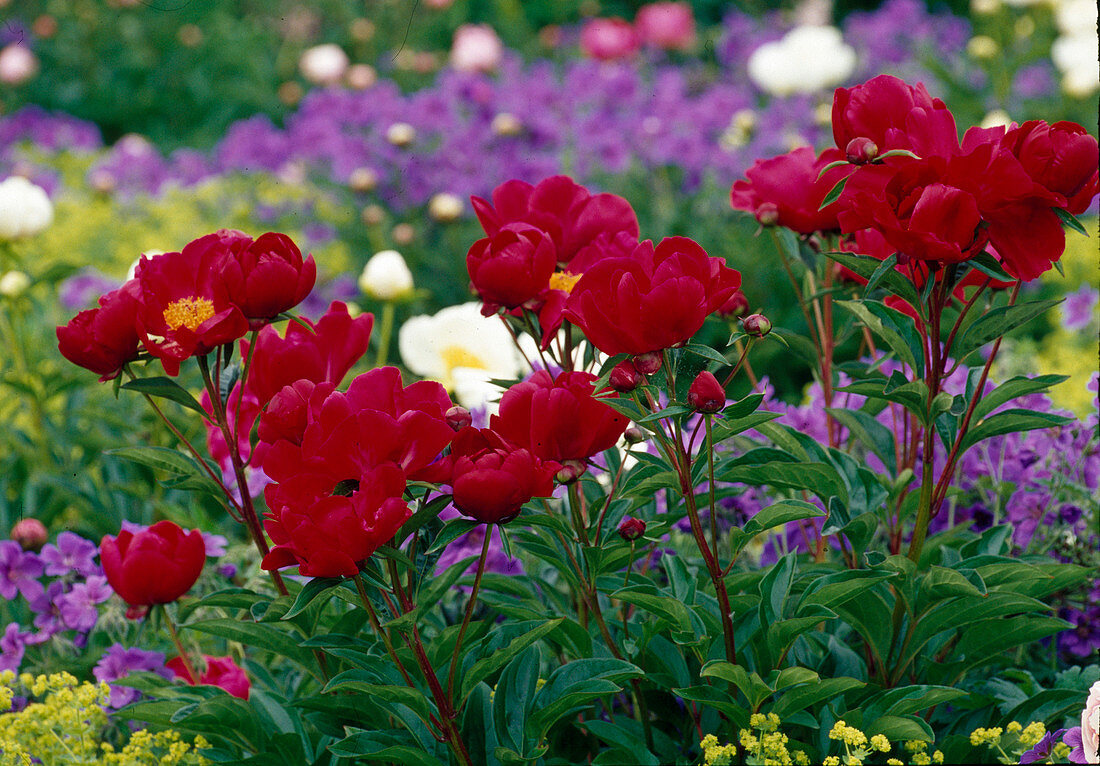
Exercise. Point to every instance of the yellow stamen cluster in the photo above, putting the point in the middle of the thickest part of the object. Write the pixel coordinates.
(188, 312)
(564, 281)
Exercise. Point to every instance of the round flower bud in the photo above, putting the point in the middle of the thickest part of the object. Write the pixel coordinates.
(458, 417)
(13, 284)
(30, 534)
(45, 26)
(861, 150)
(570, 471)
(324, 64)
(757, 325)
(189, 35)
(630, 529)
(767, 214)
(362, 29)
(362, 180)
(360, 76)
(706, 393)
(445, 207)
(735, 307)
(403, 233)
(506, 124)
(648, 363)
(17, 64)
(401, 134)
(290, 93)
(633, 435)
(373, 215)
(625, 377)
(386, 276)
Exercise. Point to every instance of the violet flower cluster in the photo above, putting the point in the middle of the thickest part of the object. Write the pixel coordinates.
(63, 586)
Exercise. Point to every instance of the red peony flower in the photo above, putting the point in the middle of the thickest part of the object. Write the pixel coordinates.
(558, 418)
(1061, 157)
(327, 527)
(267, 277)
(571, 215)
(668, 25)
(103, 339)
(513, 266)
(608, 39)
(893, 115)
(655, 299)
(222, 672)
(184, 307)
(491, 479)
(154, 566)
(791, 184)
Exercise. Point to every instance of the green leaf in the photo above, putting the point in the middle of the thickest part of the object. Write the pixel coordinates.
(879, 274)
(254, 635)
(819, 478)
(834, 193)
(884, 324)
(394, 746)
(359, 681)
(780, 513)
(452, 530)
(662, 606)
(309, 592)
(700, 349)
(751, 685)
(1069, 220)
(1008, 422)
(159, 457)
(996, 322)
(900, 728)
(866, 266)
(165, 388)
(991, 267)
(801, 697)
(485, 667)
(871, 433)
(1011, 389)
(421, 517)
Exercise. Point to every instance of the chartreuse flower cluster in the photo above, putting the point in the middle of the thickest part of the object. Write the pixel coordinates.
(66, 727)
(1011, 742)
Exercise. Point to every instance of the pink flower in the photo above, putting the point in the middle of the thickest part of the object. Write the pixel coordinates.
(666, 25)
(609, 39)
(476, 48)
(1090, 725)
(17, 64)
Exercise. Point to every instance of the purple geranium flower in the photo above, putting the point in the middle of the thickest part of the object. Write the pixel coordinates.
(19, 572)
(72, 552)
(118, 662)
(1043, 747)
(12, 645)
(47, 608)
(1077, 748)
(1078, 309)
(78, 606)
(215, 544)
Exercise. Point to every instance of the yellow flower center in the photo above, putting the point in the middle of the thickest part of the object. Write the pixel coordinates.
(188, 312)
(564, 281)
(457, 356)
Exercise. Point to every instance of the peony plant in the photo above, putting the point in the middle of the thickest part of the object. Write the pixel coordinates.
(566, 580)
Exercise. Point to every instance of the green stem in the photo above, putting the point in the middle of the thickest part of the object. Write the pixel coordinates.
(184, 657)
(385, 331)
(469, 610)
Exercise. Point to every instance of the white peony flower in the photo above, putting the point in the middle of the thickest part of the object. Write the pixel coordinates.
(806, 60)
(25, 209)
(1075, 57)
(324, 64)
(445, 207)
(17, 64)
(1076, 17)
(463, 350)
(996, 119)
(386, 276)
(476, 48)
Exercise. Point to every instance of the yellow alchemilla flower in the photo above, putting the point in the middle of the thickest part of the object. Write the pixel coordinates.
(881, 743)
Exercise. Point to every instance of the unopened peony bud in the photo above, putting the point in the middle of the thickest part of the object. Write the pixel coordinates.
(735, 307)
(386, 276)
(30, 534)
(648, 363)
(445, 207)
(363, 180)
(324, 64)
(360, 76)
(506, 124)
(630, 529)
(570, 471)
(401, 134)
(14, 283)
(625, 377)
(861, 150)
(757, 325)
(767, 214)
(17, 64)
(706, 393)
(633, 435)
(458, 417)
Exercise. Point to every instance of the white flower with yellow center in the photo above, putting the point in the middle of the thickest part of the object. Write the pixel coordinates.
(463, 350)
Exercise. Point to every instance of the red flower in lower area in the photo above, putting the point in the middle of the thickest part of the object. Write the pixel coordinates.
(558, 418)
(268, 277)
(793, 184)
(103, 339)
(492, 479)
(184, 308)
(222, 672)
(655, 299)
(327, 527)
(154, 566)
